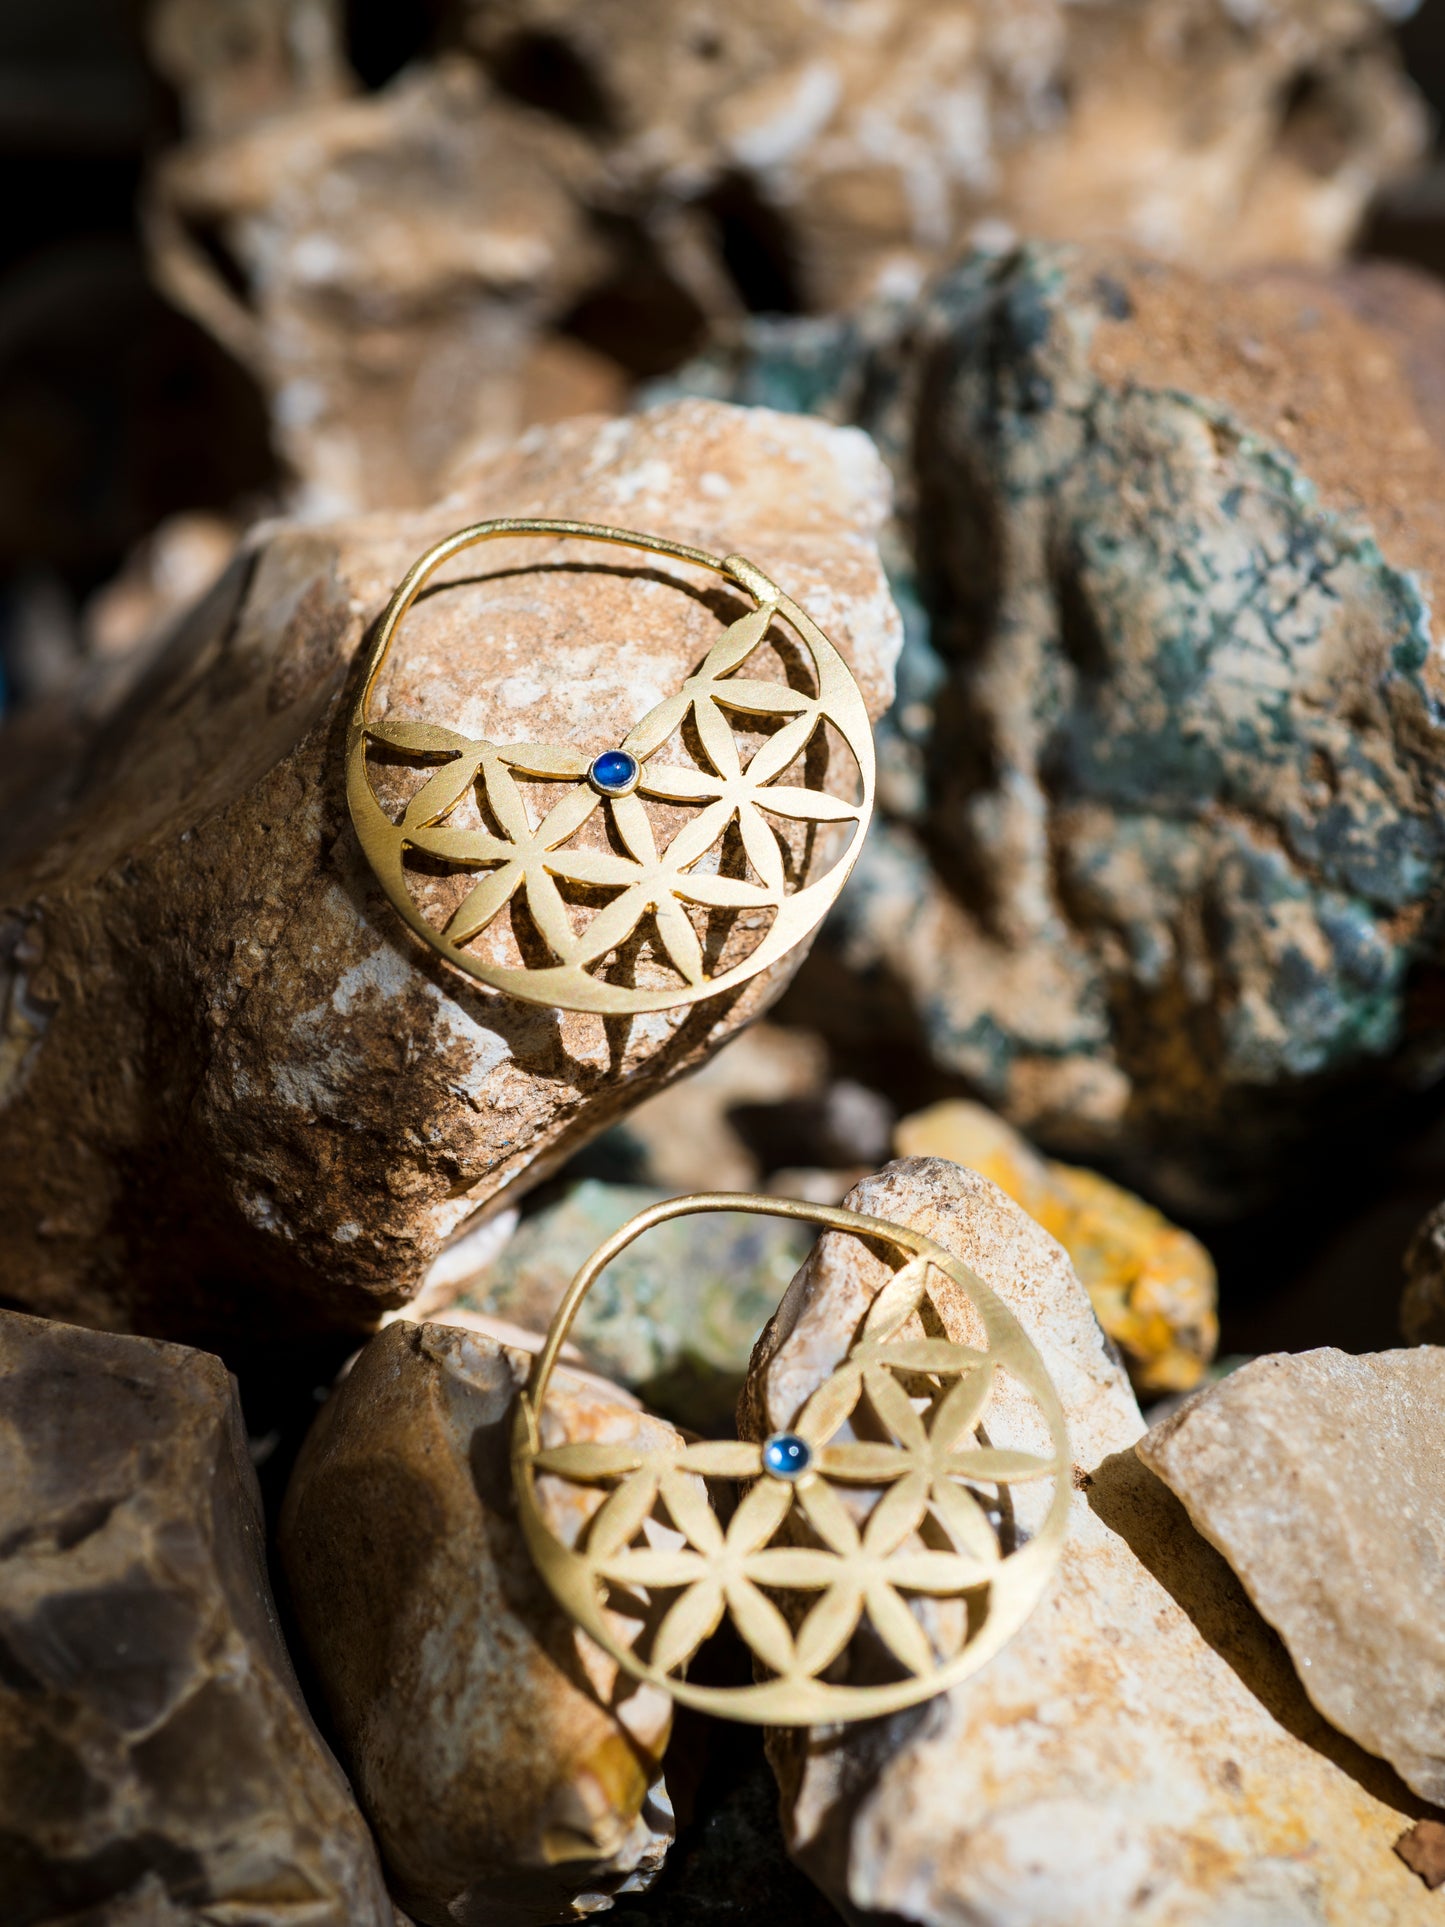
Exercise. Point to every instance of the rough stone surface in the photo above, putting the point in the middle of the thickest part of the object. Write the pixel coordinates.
(1141, 1749)
(157, 1763)
(401, 256)
(1423, 1851)
(503, 1781)
(879, 140)
(1165, 862)
(675, 1317)
(226, 1072)
(1320, 1478)
(1152, 1285)
(555, 197)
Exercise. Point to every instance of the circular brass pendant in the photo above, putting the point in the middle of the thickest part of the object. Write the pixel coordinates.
(629, 879)
(882, 1519)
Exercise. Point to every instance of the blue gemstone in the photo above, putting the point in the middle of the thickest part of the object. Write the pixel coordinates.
(787, 1456)
(614, 772)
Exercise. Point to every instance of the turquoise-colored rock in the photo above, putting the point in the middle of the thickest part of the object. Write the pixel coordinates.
(1161, 844)
(675, 1316)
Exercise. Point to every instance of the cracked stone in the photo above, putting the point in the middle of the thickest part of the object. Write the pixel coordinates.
(157, 1763)
(507, 1782)
(1141, 1748)
(228, 1076)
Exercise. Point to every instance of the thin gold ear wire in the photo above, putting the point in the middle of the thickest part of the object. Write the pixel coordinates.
(532, 858)
(802, 1528)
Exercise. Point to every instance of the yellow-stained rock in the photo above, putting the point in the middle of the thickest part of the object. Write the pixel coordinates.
(1152, 1285)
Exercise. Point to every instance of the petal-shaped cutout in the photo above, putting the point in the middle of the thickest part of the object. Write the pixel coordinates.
(687, 1623)
(939, 1573)
(897, 1301)
(860, 1462)
(634, 826)
(619, 1518)
(420, 739)
(715, 734)
(679, 939)
(760, 698)
(961, 1408)
(764, 852)
(654, 1566)
(811, 806)
(567, 815)
(782, 748)
(898, 1629)
(899, 1512)
(833, 1401)
(589, 1461)
(804, 1568)
(698, 834)
(828, 1516)
(506, 800)
(928, 1355)
(760, 1512)
(722, 1459)
(761, 1625)
(441, 792)
(685, 1496)
(464, 847)
(592, 866)
(829, 1626)
(612, 925)
(995, 1467)
(965, 1522)
(546, 759)
(479, 906)
(549, 913)
(895, 1408)
(657, 725)
(721, 893)
(677, 785)
(738, 641)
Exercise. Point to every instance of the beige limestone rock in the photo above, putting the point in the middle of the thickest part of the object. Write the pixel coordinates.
(504, 1772)
(227, 1074)
(1321, 1478)
(1140, 1750)
(157, 1763)
(397, 259)
(879, 139)
(1151, 1284)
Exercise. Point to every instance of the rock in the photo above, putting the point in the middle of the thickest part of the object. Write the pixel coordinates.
(1166, 842)
(156, 1758)
(1152, 1286)
(675, 1317)
(1422, 1310)
(837, 153)
(1423, 1851)
(228, 1076)
(686, 1138)
(397, 260)
(1140, 1749)
(1319, 1477)
(478, 1724)
(519, 226)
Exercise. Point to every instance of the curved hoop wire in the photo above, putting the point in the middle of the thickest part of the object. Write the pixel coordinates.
(577, 1576)
(570, 984)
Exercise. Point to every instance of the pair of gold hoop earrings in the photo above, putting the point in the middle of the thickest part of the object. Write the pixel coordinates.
(878, 1553)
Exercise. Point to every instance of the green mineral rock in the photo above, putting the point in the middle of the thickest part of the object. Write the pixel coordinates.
(675, 1316)
(1161, 845)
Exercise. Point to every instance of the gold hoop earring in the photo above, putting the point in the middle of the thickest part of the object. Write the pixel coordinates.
(942, 1575)
(641, 881)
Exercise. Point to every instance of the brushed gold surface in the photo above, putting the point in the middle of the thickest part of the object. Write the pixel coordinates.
(647, 882)
(913, 1406)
